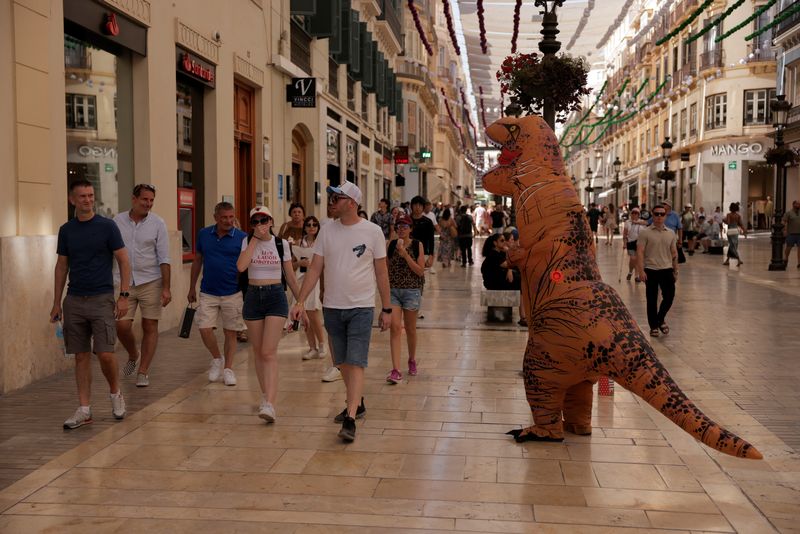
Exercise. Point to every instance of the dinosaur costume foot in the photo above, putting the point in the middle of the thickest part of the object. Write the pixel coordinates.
(580, 430)
(533, 433)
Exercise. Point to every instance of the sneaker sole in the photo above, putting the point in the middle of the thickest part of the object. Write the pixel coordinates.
(142, 385)
(358, 416)
(119, 417)
(69, 427)
(347, 436)
(393, 381)
(231, 384)
(266, 417)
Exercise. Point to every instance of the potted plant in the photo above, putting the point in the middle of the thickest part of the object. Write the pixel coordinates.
(666, 175)
(781, 156)
(529, 79)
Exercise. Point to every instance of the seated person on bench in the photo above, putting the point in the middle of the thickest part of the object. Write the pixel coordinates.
(495, 270)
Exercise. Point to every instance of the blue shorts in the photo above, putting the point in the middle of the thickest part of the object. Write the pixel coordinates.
(349, 332)
(792, 240)
(264, 301)
(406, 298)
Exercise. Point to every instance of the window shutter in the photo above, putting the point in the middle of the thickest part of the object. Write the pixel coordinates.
(303, 7)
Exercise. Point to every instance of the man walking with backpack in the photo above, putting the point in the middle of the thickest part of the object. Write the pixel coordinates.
(465, 226)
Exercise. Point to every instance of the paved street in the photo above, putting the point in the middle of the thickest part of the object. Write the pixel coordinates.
(431, 453)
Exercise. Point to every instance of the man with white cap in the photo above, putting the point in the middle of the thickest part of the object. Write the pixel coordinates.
(352, 253)
(689, 227)
(218, 248)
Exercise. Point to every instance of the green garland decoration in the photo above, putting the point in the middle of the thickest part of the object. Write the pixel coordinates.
(601, 121)
(757, 13)
(780, 18)
(588, 111)
(685, 23)
(714, 23)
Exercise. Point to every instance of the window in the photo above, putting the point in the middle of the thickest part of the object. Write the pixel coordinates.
(187, 131)
(757, 106)
(647, 142)
(641, 145)
(81, 112)
(675, 59)
(411, 122)
(674, 130)
(656, 139)
(716, 111)
(682, 129)
(693, 119)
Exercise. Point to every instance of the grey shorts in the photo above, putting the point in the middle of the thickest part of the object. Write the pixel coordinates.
(88, 320)
(792, 240)
(349, 332)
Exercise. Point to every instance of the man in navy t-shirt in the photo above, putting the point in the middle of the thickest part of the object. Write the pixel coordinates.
(218, 248)
(87, 246)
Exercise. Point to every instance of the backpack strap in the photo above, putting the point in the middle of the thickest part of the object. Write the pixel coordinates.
(279, 246)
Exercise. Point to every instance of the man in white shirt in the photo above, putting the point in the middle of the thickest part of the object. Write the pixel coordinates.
(145, 237)
(352, 253)
(478, 217)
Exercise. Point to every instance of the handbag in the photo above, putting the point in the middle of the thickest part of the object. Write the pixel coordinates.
(681, 255)
(186, 324)
(453, 231)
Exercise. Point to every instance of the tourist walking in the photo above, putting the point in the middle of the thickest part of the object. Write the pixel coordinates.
(146, 239)
(657, 262)
(498, 217)
(352, 254)
(465, 226)
(292, 230)
(423, 230)
(218, 249)
(406, 278)
(267, 262)
(448, 233)
(594, 218)
(791, 231)
(689, 226)
(735, 226)
(86, 248)
(383, 218)
(303, 253)
(610, 223)
(630, 235)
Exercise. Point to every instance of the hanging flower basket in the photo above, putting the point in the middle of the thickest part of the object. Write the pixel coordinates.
(529, 79)
(616, 184)
(665, 175)
(781, 156)
(588, 188)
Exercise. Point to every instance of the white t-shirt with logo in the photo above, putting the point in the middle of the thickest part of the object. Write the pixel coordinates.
(266, 264)
(350, 252)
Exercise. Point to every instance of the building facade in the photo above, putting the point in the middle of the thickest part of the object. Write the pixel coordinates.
(248, 101)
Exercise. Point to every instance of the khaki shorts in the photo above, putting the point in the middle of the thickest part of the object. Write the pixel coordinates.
(148, 297)
(230, 306)
(89, 324)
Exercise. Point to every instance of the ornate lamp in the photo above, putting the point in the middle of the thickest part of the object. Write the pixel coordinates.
(780, 118)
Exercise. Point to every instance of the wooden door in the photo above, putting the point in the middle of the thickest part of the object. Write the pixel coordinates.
(243, 133)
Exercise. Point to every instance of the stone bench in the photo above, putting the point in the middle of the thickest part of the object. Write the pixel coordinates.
(500, 304)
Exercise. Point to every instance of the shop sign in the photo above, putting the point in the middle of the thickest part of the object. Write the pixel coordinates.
(195, 68)
(90, 151)
(413, 169)
(302, 92)
(109, 167)
(736, 149)
(732, 165)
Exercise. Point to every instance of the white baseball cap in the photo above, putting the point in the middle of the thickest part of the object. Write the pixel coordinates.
(260, 210)
(348, 189)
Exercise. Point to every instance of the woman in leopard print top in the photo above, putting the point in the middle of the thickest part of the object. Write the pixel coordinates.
(406, 278)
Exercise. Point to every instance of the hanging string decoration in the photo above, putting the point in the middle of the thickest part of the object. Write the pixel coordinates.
(686, 22)
(450, 27)
(581, 23)
(588, 112)
(780, 18)
(515, 33)
(466, 114)
(482, 28)
(420, 30)
(449, 111)
(483, 109)
(616, 24)
(714, 23)
(757, 13)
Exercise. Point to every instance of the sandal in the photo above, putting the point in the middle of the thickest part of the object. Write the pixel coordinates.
(664, 329)
(654, 332)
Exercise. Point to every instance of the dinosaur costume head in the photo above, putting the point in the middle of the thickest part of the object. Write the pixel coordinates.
(579, 327)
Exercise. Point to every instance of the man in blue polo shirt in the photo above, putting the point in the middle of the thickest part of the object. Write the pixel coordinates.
(218, 248)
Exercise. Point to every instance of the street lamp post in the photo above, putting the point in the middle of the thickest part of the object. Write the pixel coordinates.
(666, 150)
(616, 184)
(588, 187)
(780, 112)
(549, 46)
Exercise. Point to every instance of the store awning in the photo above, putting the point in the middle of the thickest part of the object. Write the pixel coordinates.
(606, 193)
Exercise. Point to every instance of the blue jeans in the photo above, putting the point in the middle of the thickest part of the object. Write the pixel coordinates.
(264, 301)
(349, 332)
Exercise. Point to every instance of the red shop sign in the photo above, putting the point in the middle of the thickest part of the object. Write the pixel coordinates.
(196, 68)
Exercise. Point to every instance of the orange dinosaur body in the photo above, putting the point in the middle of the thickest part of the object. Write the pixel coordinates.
(579, 328)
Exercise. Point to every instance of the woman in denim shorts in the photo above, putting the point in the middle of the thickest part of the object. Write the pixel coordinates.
(265, 307)
(406, 278)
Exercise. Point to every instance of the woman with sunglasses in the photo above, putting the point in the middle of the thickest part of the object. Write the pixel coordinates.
(265, 307)
(495, 270)
(303, 253)
(406, 278)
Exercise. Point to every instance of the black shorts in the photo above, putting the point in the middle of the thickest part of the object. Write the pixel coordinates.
(631, 246)
(689, 234)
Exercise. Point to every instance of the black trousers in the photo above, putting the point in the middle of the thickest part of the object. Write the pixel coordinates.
(663, 279)
(465, 244)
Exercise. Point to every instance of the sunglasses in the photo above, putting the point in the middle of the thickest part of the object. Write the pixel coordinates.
(659, 214)
(403, 226)
(261, 220)
(311, 225)
(138, 189)
(336, 198)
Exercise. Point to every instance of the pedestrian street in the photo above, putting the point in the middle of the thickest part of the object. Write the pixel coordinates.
(431, 453)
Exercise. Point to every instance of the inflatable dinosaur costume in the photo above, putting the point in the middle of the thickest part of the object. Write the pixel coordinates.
(579, 328)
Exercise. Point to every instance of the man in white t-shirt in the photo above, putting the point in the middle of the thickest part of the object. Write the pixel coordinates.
(352, 253)
(478, 216)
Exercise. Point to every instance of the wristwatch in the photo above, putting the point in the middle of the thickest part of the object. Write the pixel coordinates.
(386, 310)
(125, 294)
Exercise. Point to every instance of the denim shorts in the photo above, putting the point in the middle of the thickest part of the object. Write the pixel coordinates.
(792, 240)
(406, 298)
(264, 301)
(349, 332)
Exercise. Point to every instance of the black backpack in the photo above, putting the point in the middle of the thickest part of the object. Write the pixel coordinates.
(464, 225)
(244, 278)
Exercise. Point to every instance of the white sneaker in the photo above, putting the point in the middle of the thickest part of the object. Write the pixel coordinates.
(266, 412)
(79, 418)
(321, 351)
(310, 354)
(332, 375)
(215, 372)
(433, 269)
(142, 380)
(118, 406)
(229, 377)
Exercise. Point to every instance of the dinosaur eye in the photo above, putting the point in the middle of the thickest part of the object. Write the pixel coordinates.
(513, 128)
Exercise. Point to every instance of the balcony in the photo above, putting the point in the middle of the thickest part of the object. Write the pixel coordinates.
(789, 23)
(389, 23)
(301, 48)
(712, 59)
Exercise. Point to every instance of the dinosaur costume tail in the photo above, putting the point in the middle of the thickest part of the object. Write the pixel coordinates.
(647, 378)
